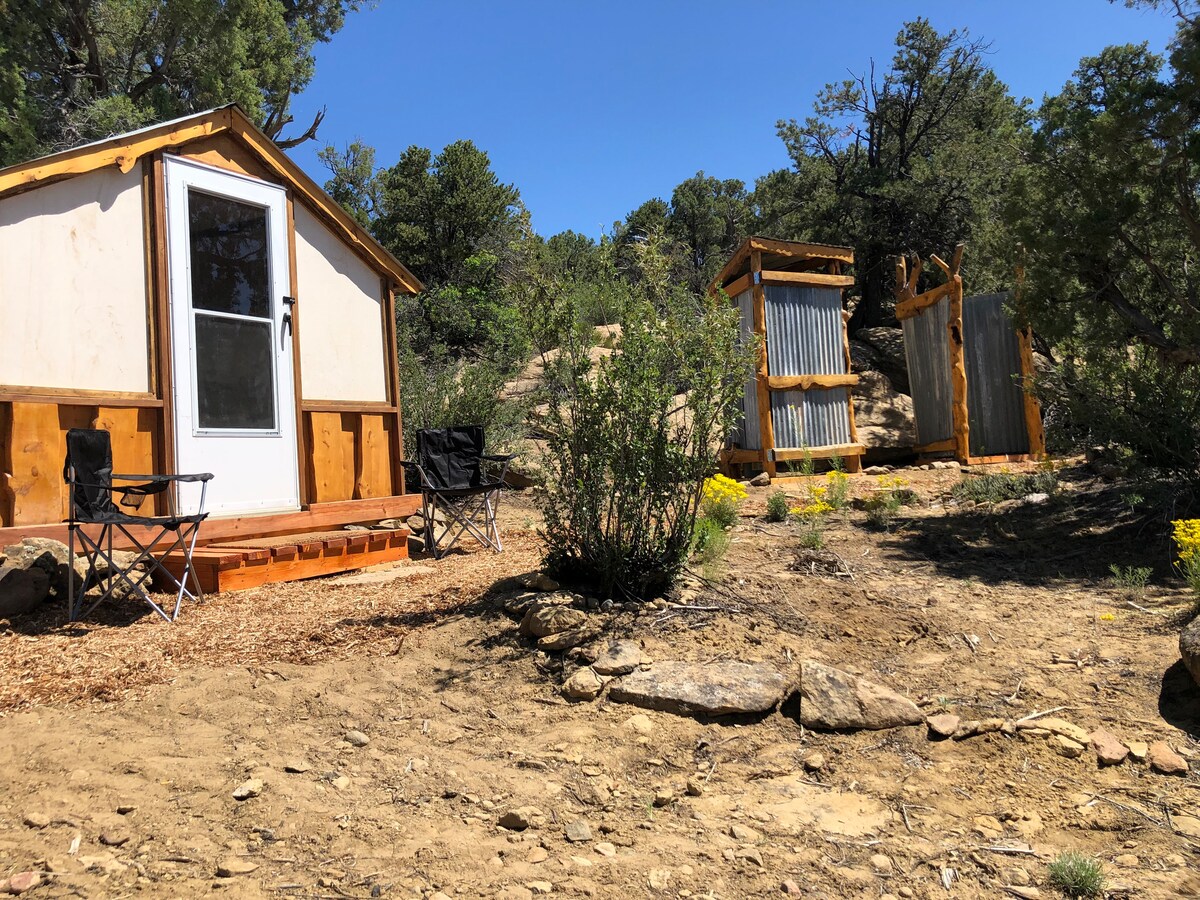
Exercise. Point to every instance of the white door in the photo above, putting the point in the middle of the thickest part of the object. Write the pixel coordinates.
(235, 410)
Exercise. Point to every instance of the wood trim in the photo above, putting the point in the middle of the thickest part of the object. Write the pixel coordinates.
(802, 250)
(814, 279)
(946, 446)
(162, 314)
(738, 286)
(317, 517)
(155, 381)
(958, 371)
(843, 450)
(302, 448)
(766, 426)
(347, 406)
(855, 462)
(71, 397)
(1001, 458)
(810, 382)
(393, 361)
(737, 456)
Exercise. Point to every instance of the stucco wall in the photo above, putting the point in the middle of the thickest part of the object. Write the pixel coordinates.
(341, 325)
(73, 285)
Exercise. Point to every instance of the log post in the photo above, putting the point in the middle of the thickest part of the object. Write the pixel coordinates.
(1032, 407)
(766, 427)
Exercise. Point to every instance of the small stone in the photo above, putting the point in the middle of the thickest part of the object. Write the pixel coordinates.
(540, 887)
(537, 855)
(546, 617)
(515, 892)
(751, 854)
(1057, 726)
(905, 891)
(1018, 876)
(762, 479)
(814, 762)
(540, 581)
(1028, 893)
(124, 809)
(248, 789)
(664, 797)
(341, 782)
(988, 826)
(1109, 750)
(744, 833)
(604, 848)
(659, 879)
(1165, 760)
(233, 867)
(584, 684)
(36, 820)
(791, 888)
(1064, 746)
(114, 838)
(520, 818)
(1138, 750)
(1127, 861)
(24, 881)
(296, 767)
(641, 723)
(943, 725)
(881, 863)
(695, 787)
(618, 658)
(357, 739)
(579, 832)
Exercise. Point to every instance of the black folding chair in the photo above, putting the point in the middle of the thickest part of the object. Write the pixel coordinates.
(463, 482)
(88, 472)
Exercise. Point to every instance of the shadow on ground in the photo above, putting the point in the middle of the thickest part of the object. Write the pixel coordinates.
(1179, 699)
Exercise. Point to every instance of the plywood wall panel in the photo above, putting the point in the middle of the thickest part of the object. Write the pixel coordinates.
(373, 464)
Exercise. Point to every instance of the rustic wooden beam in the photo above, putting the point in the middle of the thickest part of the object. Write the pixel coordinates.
(162, 315)
(843, 450)
(948, 445)
(810, 382)
(813, 279)
(71, 397)
(1032, 408)
(958, 371)
(766, 426)
(738, 286)
(800, 250)
(913, 305)
(854, 462)
(350, 406)
(302, 448)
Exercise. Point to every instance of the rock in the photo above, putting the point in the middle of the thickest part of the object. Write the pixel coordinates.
(544, 618)
(881, 863)
(565, 640)
(618, 658)
(540, 887)
(988, 826)
(416, 524)
(663, 797)
(814, 762)
(36, 820)
(877, 470)
(1057, 726)
(604, 848)
(791, 888)
(834, 700)
(1189, 826)
(1127, 861)
(520, 818)
(887, 345)
(762, 479)
(1189, 648)
(52, 557)
(579, 832)
(21, 590)
(341, 783)
(356, 739)
(751, 854)
(659, 879)
(537, 855)
(1165, 760)
(233, 867)
(1028, 893)
(745, 834)
(114, 838)
(943, 725)
(539, 581)
(640, 722)
(884, 417)
(248, 789)
(585, 684)
(296, 767)
(124, 809)
(515, 892)
(695, 787)
(24, 881)
(1064, 746)
(1109, 750)
(1034, 499)
(713, 689)
(1138, 750)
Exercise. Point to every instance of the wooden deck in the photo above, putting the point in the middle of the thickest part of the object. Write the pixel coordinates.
(244, 564)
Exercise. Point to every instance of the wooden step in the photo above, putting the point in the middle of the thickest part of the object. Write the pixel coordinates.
(251, 562)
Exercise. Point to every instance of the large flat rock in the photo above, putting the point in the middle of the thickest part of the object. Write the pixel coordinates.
(1189, 648)
(834, 700)
(710, 689)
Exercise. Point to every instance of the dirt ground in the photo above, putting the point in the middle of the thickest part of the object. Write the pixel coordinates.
(125, 739)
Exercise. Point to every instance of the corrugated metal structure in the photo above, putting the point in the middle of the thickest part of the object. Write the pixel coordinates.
(798, 402)
(967, 360)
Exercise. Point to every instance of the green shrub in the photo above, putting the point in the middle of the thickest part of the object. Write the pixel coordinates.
(710, 543)
(995, 487)
(1077, 875)
(777, 507)
(1131, 580)
(631, 437)
(721, 500)
(891, 493)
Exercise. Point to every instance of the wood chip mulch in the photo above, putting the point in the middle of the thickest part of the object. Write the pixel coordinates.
(124, 648)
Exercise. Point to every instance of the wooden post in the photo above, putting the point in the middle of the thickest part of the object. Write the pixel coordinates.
(958, 363)
(766, 428)
(302, 444)
(1033, 408)
(165, 386)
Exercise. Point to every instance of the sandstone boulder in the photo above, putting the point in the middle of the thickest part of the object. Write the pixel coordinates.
(887, 345)
(884, 417)
(1189, 648)
(833, 700)
(712, 689)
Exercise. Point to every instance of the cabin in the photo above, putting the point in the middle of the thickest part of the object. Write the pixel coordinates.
(797, 403)
(190, 289)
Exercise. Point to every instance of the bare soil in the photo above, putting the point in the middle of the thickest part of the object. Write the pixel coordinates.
(129, 736)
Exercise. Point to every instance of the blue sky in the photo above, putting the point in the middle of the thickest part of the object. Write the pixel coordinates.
(591, 108)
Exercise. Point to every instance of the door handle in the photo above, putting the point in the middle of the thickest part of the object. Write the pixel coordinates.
(289, 302)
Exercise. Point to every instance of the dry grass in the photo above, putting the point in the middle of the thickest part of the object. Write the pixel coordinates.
(124, 648)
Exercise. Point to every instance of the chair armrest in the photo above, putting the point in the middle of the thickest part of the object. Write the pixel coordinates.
(201, 476)
(507, 458)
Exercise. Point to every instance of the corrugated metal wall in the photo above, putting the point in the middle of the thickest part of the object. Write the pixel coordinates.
(746, 435)
(804, 337)
(992, 353)
(927, 352)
